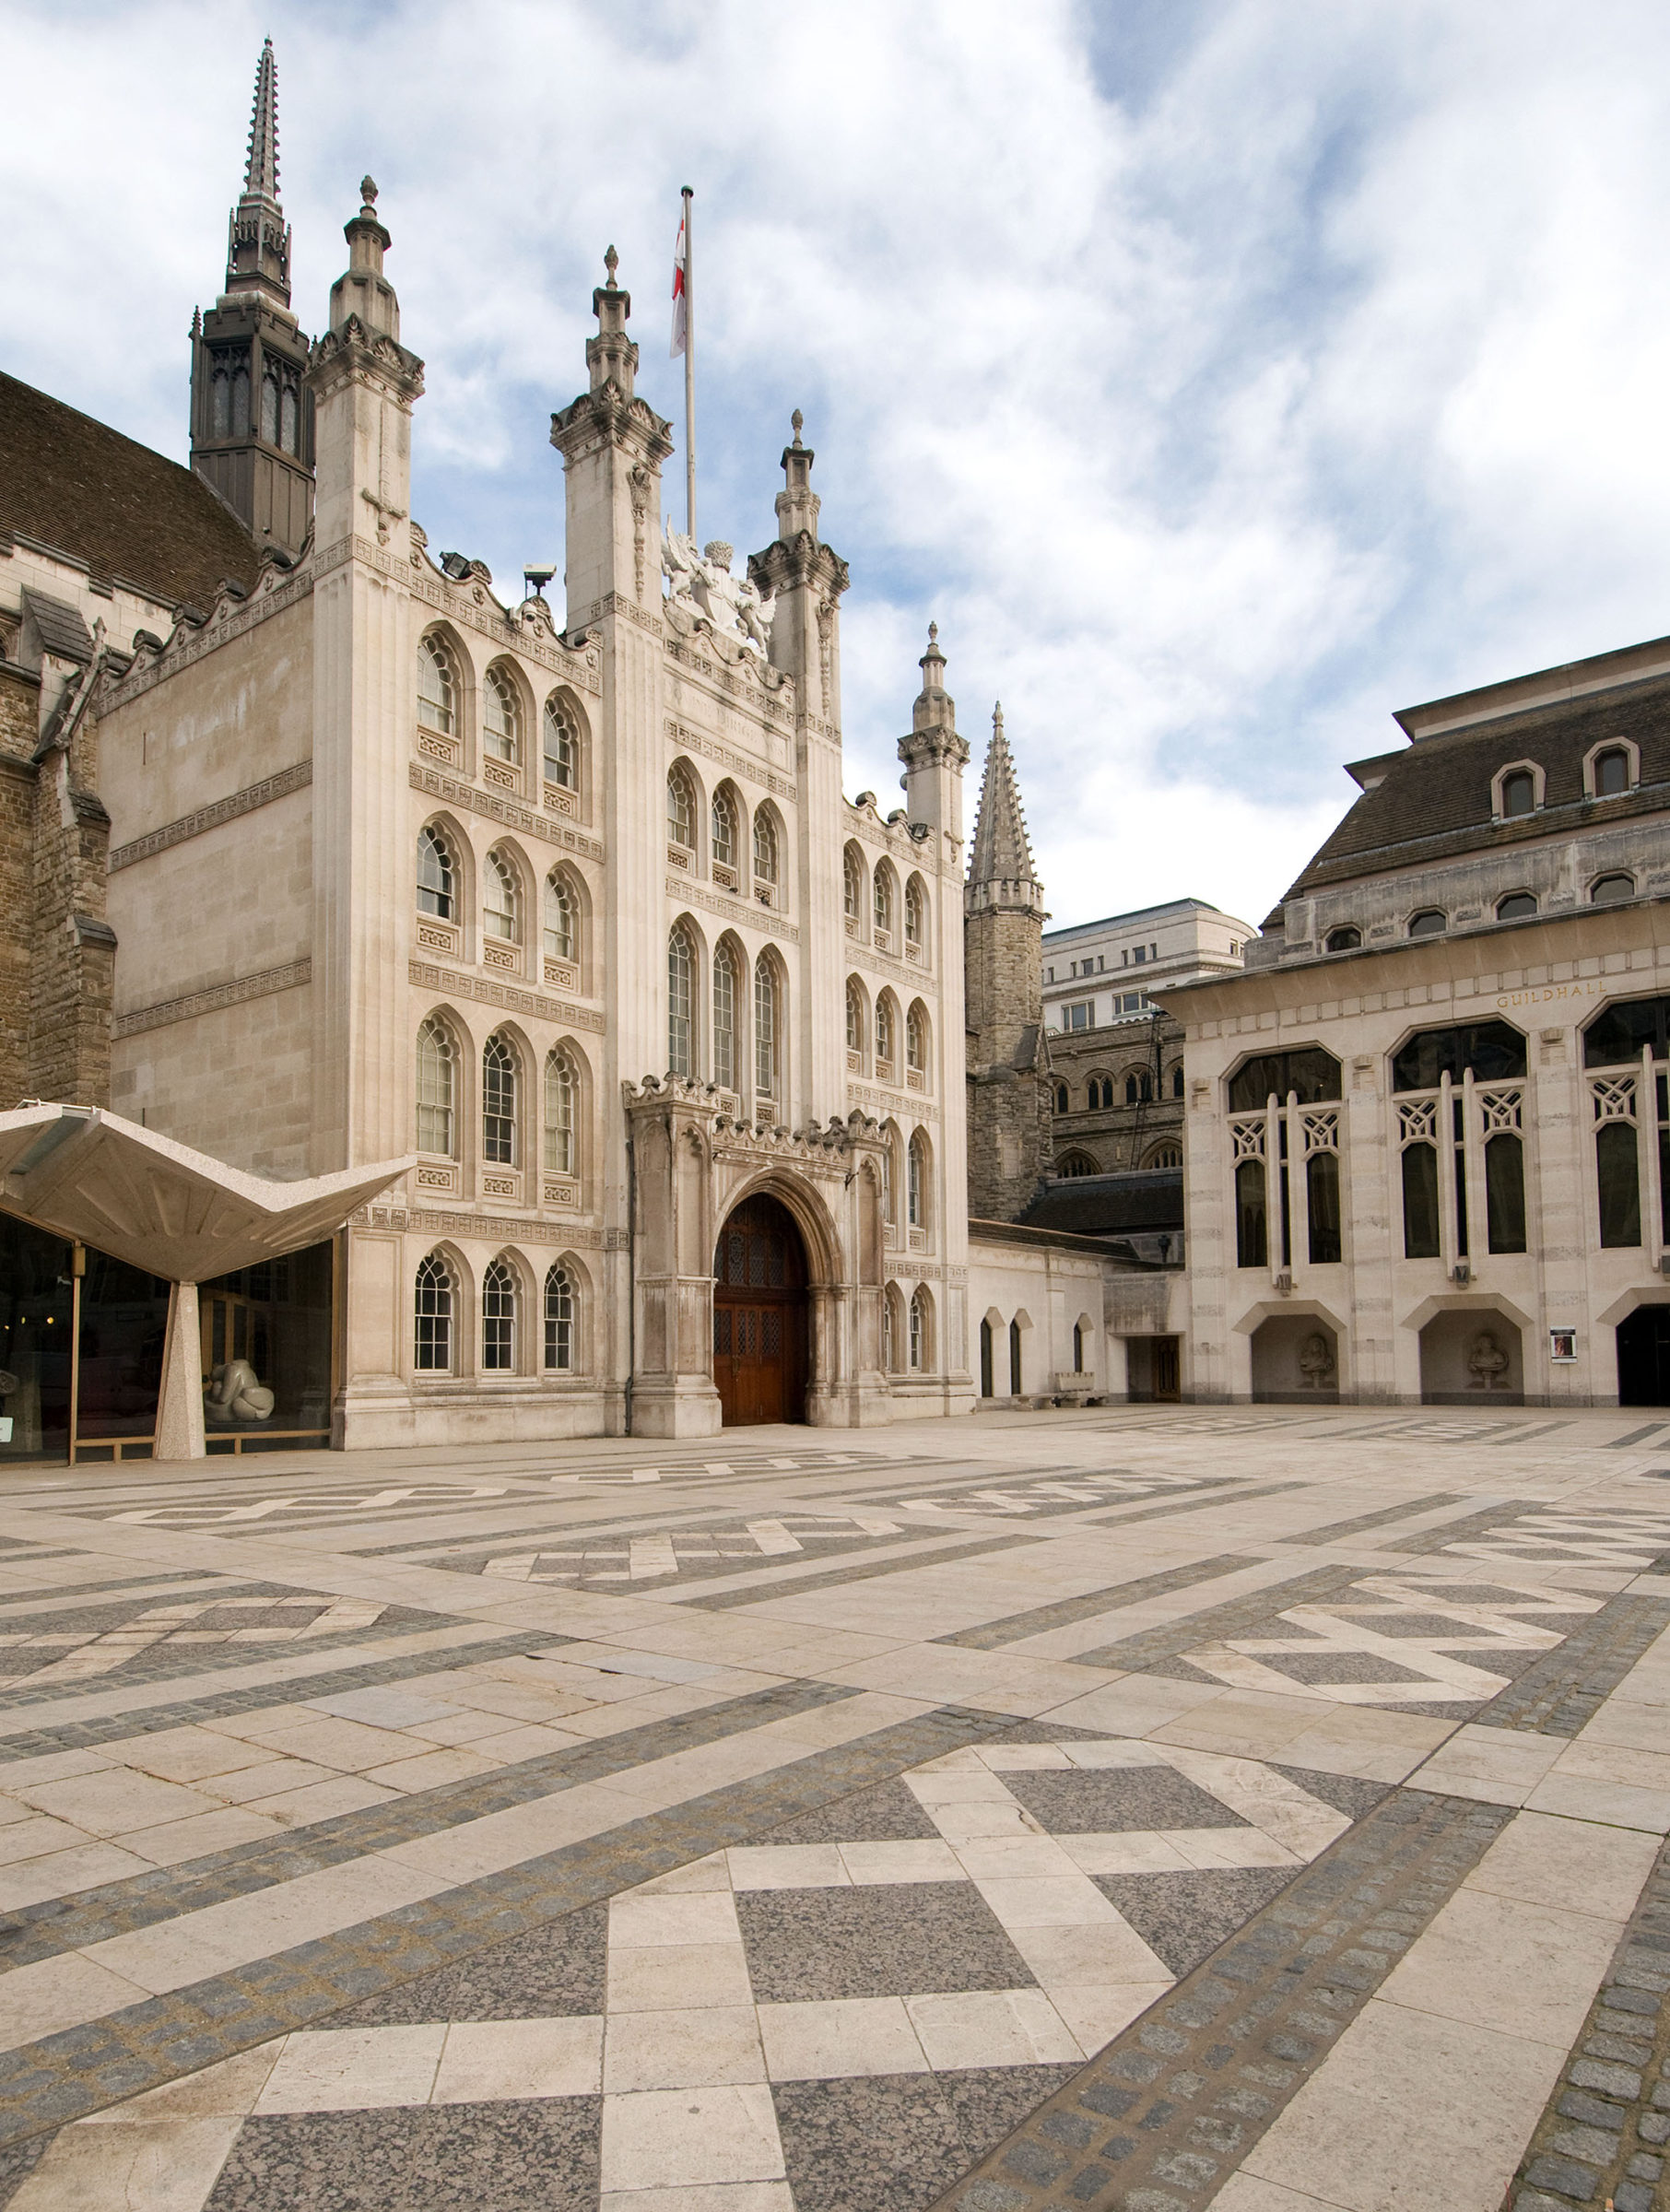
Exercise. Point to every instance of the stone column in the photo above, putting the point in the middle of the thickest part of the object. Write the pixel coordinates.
(180, 1405)
(670, 1127)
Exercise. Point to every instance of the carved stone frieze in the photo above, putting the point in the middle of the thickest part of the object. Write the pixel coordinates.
(288, 977)
(297, 777)
(506, 812)
(890, 1104)
(459, 982)
(733, 908)
(495, 1228)
(692, 741)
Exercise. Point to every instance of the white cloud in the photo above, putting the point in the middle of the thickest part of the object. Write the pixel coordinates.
(1219, 378)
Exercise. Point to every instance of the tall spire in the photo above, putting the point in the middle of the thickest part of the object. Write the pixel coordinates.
(1002, 864)
(258, 241)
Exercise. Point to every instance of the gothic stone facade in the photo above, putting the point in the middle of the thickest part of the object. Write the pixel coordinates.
(1428, 1139)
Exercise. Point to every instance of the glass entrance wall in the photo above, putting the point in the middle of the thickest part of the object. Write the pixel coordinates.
(123, 1330)
(267, 1354)
(36, 1295)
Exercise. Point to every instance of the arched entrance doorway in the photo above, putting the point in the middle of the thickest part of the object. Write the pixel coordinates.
(760, 1315)
(1643, 1357)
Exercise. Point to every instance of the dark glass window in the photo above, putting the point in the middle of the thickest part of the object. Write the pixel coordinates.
(1608, 890)
(985, 1360)
(1519, 793)
(1014, 1359)
(35, 1320)
(1432, 921)
(1623, 1032)
(1321, 1198)
(1620, 1188)
(1515, 907)
(1252, 1225)
(1343, 940)
(1493, 1051)
(1505, 1193)
(1177, 1080)
(1420, 1202)
(1311, 1073)
(275, 1319)
(1611, 772)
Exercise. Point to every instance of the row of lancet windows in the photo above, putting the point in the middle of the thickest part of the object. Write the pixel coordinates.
(1101, 1092)
(504, 714)
(882, 1029)
(874, 896)
(1460, 1097)
(907, 1330)
(728, 832)
(712, 1020)
(503, 1086)
(438, 1318)
(503, 898)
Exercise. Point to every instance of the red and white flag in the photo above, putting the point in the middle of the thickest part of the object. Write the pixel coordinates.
(681, 310)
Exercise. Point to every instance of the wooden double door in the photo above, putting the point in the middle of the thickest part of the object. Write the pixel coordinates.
(760, 1316)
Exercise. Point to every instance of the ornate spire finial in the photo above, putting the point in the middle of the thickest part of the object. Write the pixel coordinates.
(368, 194)
(611, 261)
(797, 423)
(997, 718)
(260, 171)
(932, 637)
(1003, 851)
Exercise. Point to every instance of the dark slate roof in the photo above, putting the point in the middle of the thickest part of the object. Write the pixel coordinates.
(82, 488)
(1432, 802)
(59, 626)
(1107, 1205)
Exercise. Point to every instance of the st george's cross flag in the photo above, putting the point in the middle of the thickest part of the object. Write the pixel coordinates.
(680, 296)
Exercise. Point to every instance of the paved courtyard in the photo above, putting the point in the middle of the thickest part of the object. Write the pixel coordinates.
(1147, 1808)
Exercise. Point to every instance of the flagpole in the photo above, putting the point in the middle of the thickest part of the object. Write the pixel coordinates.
(689, 371)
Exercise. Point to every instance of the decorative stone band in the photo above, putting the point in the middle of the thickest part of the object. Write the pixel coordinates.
(288, 977)
(497, 1228)
(885, 1103)
(735, 909)
(496, 809)
(739, 764)
(297, 777)
(458, 983)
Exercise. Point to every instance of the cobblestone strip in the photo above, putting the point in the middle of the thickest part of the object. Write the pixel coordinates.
(992, 1635)
(81, 2070)
(1565, 1688)
(1158, 2121)
(1603, 2139)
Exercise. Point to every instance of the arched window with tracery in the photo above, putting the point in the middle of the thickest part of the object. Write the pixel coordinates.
(765, 847)
(889, 1331)
(916, 1183)
(916, 1040)
(727, 831)
(681, 1002)
(501, 898)
(852, 884)
(915, 913)
(501, 718)
(437, 879)
(854, 1015)
(437, 1089)
(727, 989)
(559, 1320)
(765, 1025)
(559, 937)
(499, 1102)
(437, 687)
(561, 1156)
(886, 1036)
(681, 810)
(499, 1319)
(433, 1302)
(562, 744)
(922, 1329)
(884, 898)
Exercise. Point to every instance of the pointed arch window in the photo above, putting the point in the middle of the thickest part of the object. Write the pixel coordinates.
(681, 811)
(562, 744)
(499, 1319)
(725, 994)
(886, 1039)
(559, 939)
(916, 913)
(765, 1031)
(269, 401)
(890, 1349)
(854, 1015)
(560, 1151)
(437, 690)
(432, 1317)
(436, 883)
(884, 900)
(501, 718)
(916, 1041)
(916, 1183)
(726, 831)
(499, 1102)
(851, 885)
(765, 847)
(921, 1330)
(502, 900)
(681, 994)
(559, 1320)
(437, 1089)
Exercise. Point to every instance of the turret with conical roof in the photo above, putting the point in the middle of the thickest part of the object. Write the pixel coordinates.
(1002, 965)
(252, 421)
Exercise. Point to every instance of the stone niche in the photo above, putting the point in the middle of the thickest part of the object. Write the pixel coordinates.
(1472, 1355)
(1295, 1362)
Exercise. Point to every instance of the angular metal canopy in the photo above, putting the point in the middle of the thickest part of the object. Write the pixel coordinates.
(83, 1173)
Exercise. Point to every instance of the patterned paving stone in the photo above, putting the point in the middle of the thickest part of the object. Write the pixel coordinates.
(554, 1972)
(1563, 1688)
(880, 1942)
(1110, 1800)
(892, 2142)
(887, 1814)
(1185, 1917)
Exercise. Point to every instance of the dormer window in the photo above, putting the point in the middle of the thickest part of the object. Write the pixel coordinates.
(1611, 770)
(1432, 921)
(1519, 793)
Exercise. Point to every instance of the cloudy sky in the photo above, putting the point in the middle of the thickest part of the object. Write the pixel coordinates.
(1221, 374)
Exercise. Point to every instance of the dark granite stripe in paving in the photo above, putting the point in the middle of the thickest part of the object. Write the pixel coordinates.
(1189, 1503)
(1335, 1532)
(1562, 1690)
(1483, 1523)
(1248, 1616)
(759, 1594)
(140, 1901)
(66, 2076)
(993, 1634)
(1161, 2118)
(117, 1727)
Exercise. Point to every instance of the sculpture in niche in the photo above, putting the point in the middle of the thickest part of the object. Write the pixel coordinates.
(236, 1393)
(1488, 1363)
(701, 584)
(1316, 1361)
